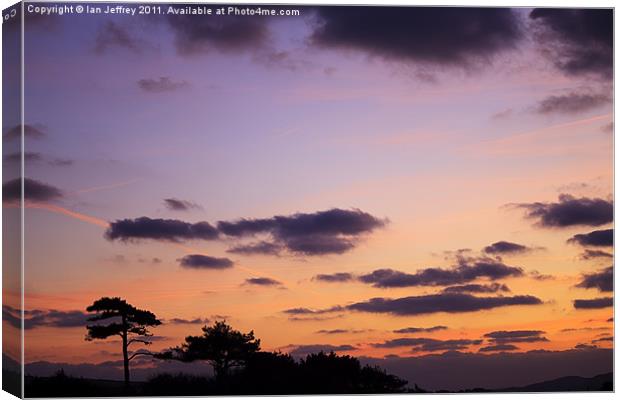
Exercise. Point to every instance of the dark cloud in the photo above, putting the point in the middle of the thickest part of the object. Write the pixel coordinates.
(263, 247)
(589, 254)
(332, 331)
(503, 247)
(44, 318)
(33, 190)
(468, 270)
(159, 229)
(579, 41)
(572, 103)
(540, 277)
(32, 157)
(199, 261)
(225, 34)
(161, 85)
(29, 157)
(444, 302)
(333, 231)
(586, 328)
(522, 336)
(602, 280)
(610, 319)
(302, 311)
(570, 211)
(430, 35)
(262, 282)
(314, 318)
(601, 302)
(180, 205)
(317, 245)
(604, 339)
(183, 321)
(304, 350)
(334, 222)
(426, 344)
(30, 132)
(112, 35)
(430, 345)
(498, 347)
(12, 316)
(418, 330)
(475, 288)
(308, 311)
(340, 331)
(337, 277)
(584, 346)
(602, 238)
(394, 343)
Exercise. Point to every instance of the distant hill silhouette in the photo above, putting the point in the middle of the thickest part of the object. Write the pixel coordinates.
(495, 372)
(598, 383)
(268, 373)
(603, 382)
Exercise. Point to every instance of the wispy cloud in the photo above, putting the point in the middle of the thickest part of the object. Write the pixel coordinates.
(161, 85)
(180, 205)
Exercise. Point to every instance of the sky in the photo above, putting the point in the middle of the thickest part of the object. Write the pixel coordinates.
(386, 183)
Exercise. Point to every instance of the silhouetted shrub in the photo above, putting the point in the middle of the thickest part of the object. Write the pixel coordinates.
(377, 380)
(62, 385)
(330, 373)
(269, 373)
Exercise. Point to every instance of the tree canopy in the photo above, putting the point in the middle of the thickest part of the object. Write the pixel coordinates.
(220, 345)
(129, 319)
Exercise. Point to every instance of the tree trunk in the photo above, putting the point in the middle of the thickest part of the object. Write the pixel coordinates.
(125, 355)
(220, 371)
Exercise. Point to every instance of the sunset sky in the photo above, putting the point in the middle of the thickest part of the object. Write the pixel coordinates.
(346, 179)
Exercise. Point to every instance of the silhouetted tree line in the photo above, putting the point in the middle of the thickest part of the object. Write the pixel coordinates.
(277, 373)
(239, 365)
(241, 368)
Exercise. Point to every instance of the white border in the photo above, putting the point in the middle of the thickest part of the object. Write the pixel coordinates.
(484, 3)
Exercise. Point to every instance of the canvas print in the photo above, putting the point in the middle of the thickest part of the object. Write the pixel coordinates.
(229, 199)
